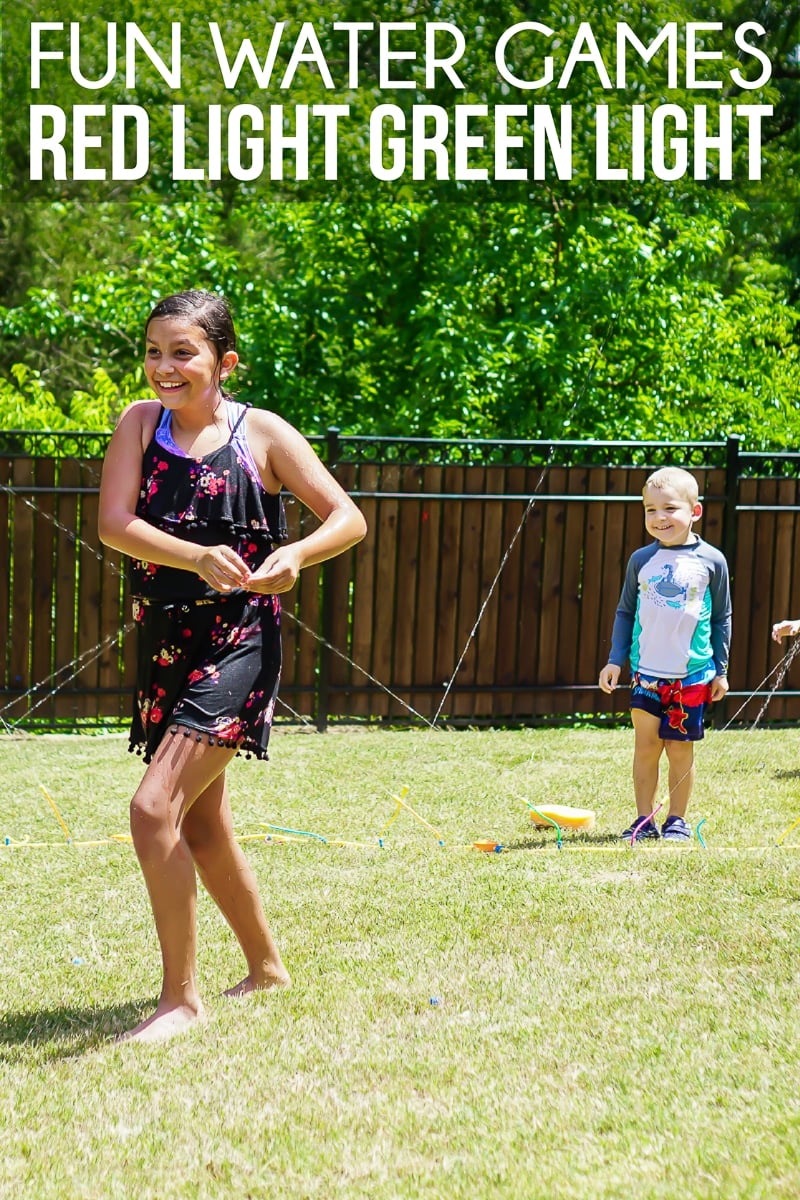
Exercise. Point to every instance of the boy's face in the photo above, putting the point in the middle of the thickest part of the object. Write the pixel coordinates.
(669, 516)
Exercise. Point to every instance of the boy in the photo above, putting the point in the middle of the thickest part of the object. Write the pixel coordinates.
(674, 624)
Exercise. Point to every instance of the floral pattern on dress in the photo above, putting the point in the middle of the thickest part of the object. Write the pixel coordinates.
(207, 671)
(229, 729)
(151, 483)
(209, 484)
(248, 551)
(208, 668)
(207, 663)
(151, 711)
(148, 570)
(167, 655)
(209, 501)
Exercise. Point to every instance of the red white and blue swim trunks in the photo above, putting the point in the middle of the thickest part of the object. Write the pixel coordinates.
(680, 707)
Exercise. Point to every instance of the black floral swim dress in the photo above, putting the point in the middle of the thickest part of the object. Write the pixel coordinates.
(208, 664)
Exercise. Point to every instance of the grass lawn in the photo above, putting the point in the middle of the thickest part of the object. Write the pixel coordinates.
(596, 1022)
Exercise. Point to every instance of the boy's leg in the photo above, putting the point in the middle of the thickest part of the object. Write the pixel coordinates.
(681, 776)
(229, 880)
(646, 754)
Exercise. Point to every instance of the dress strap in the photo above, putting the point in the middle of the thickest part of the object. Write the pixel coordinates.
(242, 415)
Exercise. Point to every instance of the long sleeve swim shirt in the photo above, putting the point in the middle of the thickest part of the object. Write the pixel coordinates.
(673, 620)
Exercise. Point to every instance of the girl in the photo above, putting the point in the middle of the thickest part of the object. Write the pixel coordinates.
(191, 493)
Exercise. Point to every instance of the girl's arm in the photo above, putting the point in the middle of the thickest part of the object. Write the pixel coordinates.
(785, 628)
(118, 525)
(286, 459)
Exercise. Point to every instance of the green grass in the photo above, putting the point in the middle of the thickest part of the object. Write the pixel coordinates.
(610, 1022)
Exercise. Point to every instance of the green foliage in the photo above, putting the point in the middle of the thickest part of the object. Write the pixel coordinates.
(581, 308)
(437, 320)
(26, 402)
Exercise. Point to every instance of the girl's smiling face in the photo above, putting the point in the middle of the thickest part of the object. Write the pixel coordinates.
(181, 364)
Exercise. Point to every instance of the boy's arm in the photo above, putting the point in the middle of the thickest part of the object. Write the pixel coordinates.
(720, 616)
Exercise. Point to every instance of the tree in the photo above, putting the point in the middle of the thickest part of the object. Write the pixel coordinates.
(582, 307)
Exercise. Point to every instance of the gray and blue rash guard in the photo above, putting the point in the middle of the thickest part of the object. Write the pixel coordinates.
(673, 620)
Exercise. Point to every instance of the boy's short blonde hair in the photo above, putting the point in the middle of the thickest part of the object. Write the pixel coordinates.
(683, 482)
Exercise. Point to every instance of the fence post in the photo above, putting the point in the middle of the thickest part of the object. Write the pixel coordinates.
(729, 529)
(326, 603)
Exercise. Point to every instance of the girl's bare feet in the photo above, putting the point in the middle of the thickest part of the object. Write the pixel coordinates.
(164, 1023)
(260, 983)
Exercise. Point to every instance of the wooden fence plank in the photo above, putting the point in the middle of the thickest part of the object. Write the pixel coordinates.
(635, 533)
(511, 599)
(43, 582)
(551, 590)
(469, 594)
(6, 508)
(364, 591)
(742, 569)
(445, 615)
(408, 568)
(336, 582)
(570, 615)
(88, 602)
(114, 616)
(615, 558)
(763, 563)
(424, 660)
(492, 553)
(386, 584)
(67, 583)
(22, 589)
(528, 701)
(711, 525)
(593, 579)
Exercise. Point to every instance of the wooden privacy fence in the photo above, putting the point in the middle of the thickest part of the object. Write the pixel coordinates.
(422, 604)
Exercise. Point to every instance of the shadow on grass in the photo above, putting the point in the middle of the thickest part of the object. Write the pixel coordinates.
(67, 1032)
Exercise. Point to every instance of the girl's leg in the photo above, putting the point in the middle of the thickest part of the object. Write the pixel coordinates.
(681, 776)
(182, 769)
(229, 879)
(646, 753)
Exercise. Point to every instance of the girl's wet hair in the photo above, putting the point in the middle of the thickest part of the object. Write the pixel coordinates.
(206, 310)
